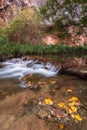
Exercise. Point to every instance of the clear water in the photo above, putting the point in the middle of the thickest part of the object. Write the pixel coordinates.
(12, 72)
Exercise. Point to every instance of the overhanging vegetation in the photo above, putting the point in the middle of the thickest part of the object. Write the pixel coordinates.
(14, 49)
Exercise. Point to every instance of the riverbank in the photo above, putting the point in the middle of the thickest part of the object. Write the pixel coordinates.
(11, 50)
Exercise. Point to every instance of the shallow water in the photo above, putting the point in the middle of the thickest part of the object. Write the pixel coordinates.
(54, 86)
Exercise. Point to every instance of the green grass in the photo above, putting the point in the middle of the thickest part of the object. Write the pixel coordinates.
(10, 49)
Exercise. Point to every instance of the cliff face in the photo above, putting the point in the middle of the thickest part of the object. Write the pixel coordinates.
(10, 8)
(7, 10)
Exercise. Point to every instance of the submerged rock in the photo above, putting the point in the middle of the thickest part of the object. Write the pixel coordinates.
(66, 113)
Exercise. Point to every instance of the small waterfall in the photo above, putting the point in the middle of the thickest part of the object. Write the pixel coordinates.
(17, 68)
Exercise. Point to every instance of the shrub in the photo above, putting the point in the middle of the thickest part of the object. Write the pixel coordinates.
(14, 49)
(24, 28)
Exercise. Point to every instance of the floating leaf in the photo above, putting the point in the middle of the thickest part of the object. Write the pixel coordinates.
(48, 101)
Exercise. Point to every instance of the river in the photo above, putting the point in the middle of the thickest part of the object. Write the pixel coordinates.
(31, 90)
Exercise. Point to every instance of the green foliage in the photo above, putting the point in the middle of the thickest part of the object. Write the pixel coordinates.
(10, 49)
(84, 21)
(65, 12)
(24, 28)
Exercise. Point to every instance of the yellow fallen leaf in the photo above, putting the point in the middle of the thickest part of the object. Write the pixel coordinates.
(73, 99)
(70, 111)
(77, 117)
(61, 105)
(73, 108)
(61, 126)
(48, 101)
(72, 103)
(69, 90)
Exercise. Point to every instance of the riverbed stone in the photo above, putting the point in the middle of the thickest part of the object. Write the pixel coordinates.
(6, 125)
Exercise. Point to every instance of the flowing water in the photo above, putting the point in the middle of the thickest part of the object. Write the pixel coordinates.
(30, 78)
(19, 68)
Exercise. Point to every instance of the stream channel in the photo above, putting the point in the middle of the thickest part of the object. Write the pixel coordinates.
(33, 95)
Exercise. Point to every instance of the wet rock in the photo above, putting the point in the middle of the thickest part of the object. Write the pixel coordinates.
(42, 114)
(2, 65)
(35, 87)
(76, 72)
(66, 113)
(6, 126)
(30, 64)
(11, 118)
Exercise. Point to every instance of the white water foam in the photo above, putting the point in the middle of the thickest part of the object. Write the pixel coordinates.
(17, 68)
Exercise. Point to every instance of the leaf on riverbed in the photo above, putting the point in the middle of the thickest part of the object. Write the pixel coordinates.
(69, 90)
(74, 109)
(61, 126)
(48, 101)
(62, 105)
(72, 104)
(77, 117)
(73, 99)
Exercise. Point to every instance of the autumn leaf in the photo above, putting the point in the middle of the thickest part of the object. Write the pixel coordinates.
(73, 99)
(74, 109)
(69, 90)
(61, 126)
(77, 117)
(61, 105)
(72, 104)
(70, 111)
(48, 101)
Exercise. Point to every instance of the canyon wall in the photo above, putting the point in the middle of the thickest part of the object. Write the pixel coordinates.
(10, 8)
